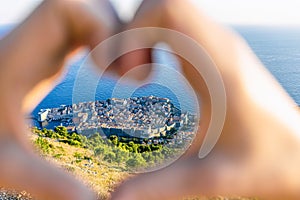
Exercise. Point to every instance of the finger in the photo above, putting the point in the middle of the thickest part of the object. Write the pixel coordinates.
(140, 60)
(43, 88)
(40, 91)
(149, 13)
(195, 177)
(22, 170)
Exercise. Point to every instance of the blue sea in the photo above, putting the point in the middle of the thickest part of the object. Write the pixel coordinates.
(277, 47)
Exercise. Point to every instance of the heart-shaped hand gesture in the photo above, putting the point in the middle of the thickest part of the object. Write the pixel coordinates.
(256, 155)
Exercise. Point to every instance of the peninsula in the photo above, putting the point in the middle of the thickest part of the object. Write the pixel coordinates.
(136, 117)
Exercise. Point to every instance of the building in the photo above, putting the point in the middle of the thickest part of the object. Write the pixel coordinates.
(43, 114)
(136, 117)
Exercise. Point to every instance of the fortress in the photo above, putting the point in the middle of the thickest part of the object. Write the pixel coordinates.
(138, 117)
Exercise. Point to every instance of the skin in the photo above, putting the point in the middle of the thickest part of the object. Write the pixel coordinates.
(257, 154)
(31, 59)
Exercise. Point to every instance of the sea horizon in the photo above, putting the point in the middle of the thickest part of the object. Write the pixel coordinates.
(278, 47)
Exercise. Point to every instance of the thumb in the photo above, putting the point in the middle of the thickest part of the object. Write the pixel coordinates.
(140, 60)
(193, 177)
(22, 170)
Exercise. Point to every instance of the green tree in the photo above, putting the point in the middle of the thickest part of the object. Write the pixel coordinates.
(78, 156)
(131, 144)
(35, 130)
(135, 148)
(62, 131)
(114, 139)
(137, 161)
(43, 144)
(155, 147)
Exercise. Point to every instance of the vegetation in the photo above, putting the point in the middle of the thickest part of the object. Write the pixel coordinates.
(102, 163)
(121, 152)
(43, 144)
(61, 134)
(77, 159)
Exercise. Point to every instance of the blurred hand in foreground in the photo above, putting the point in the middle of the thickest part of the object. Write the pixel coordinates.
(259, 142)
(31, 60)
(258, 151)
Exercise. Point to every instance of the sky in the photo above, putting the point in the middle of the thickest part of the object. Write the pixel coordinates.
(235, 12)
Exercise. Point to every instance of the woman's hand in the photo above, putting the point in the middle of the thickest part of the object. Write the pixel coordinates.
(259, 140)
(258, 151)
(31, 59)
